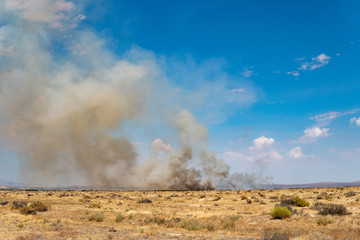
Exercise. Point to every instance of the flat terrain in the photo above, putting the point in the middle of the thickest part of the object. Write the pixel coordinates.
(241, 214)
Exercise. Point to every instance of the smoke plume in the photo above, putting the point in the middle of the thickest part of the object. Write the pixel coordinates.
(65, 109)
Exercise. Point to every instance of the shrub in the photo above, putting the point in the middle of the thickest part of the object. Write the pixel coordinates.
(280, 212)
(18, 204)
(324, 220)
(27, 210)
(285, 205)
(191, 225)
(301, 202)
(95, 205)
(145, 200)
(243, 197)
(119, 218)
(275, 236)
(98, 217)
(350, 194)
(39, 206)
(295, 201)
(228, 223)
(332, 209)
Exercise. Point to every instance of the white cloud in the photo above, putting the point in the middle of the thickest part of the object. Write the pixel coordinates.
(338, 54)
(294, 73)
(312, 134)
(296, 153)
(317, 62)
(355, 120)
(262, 142)
(276, 71)
(325, 119)
(51, 12)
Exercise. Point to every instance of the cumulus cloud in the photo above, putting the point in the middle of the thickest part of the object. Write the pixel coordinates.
(312, 134)
(317, 62)
(296, 153)
(262, 142)
(355, 120)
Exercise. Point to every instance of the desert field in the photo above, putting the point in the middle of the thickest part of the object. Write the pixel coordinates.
(244, 214)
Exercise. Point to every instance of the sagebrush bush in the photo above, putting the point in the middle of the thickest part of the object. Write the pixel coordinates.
(333, 209)
(39, 206)
(275, 235)
(27, 210)
(280, 212)
(350, 194)
(18, 204)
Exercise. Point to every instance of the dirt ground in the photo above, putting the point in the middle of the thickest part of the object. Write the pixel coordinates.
(241, 214)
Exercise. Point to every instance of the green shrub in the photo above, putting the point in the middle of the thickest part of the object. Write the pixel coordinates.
(301, 202)
(280, 212)
(98, 217)
(295, 201)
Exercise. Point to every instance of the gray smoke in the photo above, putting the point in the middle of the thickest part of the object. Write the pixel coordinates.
(66, 115)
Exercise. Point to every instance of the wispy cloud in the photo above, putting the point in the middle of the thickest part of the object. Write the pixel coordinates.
(294, 73)
(325, 119)
(238, 90)
(317, 62)
(248, 72)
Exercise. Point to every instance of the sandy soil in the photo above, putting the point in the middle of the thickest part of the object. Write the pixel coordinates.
(177, 215)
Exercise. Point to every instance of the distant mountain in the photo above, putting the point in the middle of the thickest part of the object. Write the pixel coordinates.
(13, 185)
(310, 185)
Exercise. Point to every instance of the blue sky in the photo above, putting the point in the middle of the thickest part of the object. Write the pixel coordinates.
(275, 82)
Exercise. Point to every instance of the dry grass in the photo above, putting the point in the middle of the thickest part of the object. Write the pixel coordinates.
(177, 214)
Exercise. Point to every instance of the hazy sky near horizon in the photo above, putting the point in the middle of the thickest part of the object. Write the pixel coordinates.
(277, 83)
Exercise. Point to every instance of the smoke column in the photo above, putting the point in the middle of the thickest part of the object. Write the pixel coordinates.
(60, 112)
